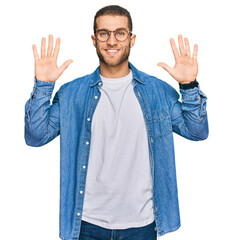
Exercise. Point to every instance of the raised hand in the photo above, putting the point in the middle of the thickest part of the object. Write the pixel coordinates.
(186, 67)
(46, 68)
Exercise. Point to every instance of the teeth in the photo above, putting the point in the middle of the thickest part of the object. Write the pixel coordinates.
(112, 50)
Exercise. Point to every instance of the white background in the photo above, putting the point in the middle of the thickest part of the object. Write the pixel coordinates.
(29, 177)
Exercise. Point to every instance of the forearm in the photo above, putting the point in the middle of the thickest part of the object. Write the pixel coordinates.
(189, 117)
(41, 118)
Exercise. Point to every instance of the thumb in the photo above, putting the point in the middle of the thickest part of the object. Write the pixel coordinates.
(165, 66)
(65, 65)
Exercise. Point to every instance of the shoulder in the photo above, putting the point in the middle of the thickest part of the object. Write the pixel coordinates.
(154, 82)
(76, 84)
(147, 78)
(156, 88)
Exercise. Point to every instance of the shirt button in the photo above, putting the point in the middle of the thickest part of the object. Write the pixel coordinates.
(96, 97)
(84, 166)
(87, 143)
(78, 214)
(99, 83)
(88, 119)
(81, 192)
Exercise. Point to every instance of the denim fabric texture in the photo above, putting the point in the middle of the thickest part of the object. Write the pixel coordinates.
(70, 116)
(93, 232)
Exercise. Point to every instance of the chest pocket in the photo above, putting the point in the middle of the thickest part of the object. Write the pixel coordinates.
(161, 122)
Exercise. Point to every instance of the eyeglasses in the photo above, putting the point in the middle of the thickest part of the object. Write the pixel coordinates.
(121, 34)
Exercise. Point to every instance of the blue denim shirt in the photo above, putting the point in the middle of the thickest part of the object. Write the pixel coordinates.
(70, 115)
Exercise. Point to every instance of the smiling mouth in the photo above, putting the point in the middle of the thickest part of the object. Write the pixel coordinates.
(112, 51)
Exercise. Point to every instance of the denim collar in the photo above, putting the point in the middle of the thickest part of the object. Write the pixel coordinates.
(95, 78)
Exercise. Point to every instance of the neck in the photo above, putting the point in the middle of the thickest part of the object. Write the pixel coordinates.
(114, 71)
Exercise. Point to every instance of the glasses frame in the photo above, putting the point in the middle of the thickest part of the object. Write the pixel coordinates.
(114, 33)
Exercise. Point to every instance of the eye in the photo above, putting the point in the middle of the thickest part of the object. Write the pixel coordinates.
(121, 33)
(103, 34)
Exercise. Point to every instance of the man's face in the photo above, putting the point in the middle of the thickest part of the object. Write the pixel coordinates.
(113, 52)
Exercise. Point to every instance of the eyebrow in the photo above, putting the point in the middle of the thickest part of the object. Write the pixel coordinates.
(113, 30)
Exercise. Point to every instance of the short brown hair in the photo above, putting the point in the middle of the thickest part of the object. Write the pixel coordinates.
(114, 10)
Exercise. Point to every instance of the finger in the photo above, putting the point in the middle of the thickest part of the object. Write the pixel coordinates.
(174, 48)
(181, 45)
(65, 65)
(43, 43)
(186, 41)
(50, 45)
(165, 66)
(195, 50)
(35, 53)
(57, 47)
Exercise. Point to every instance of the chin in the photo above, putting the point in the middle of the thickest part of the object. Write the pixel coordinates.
(113, 62)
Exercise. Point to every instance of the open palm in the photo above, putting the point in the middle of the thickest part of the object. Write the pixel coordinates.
(46, 68)
(186, 67)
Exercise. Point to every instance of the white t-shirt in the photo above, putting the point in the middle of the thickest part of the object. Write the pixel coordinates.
(118, 193)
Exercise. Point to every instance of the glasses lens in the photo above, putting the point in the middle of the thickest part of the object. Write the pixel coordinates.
(102, 35)
(121, 34)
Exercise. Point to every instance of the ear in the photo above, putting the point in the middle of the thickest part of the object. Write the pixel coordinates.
(94, 40)
(132, 41)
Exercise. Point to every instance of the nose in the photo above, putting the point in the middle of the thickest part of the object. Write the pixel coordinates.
(112, 40)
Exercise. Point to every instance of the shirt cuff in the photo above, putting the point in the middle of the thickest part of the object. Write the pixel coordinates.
(42, 88)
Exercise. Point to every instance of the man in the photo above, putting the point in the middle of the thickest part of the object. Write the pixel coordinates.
(117, 170)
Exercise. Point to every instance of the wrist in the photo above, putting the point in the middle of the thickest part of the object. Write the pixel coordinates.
(189, 85)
